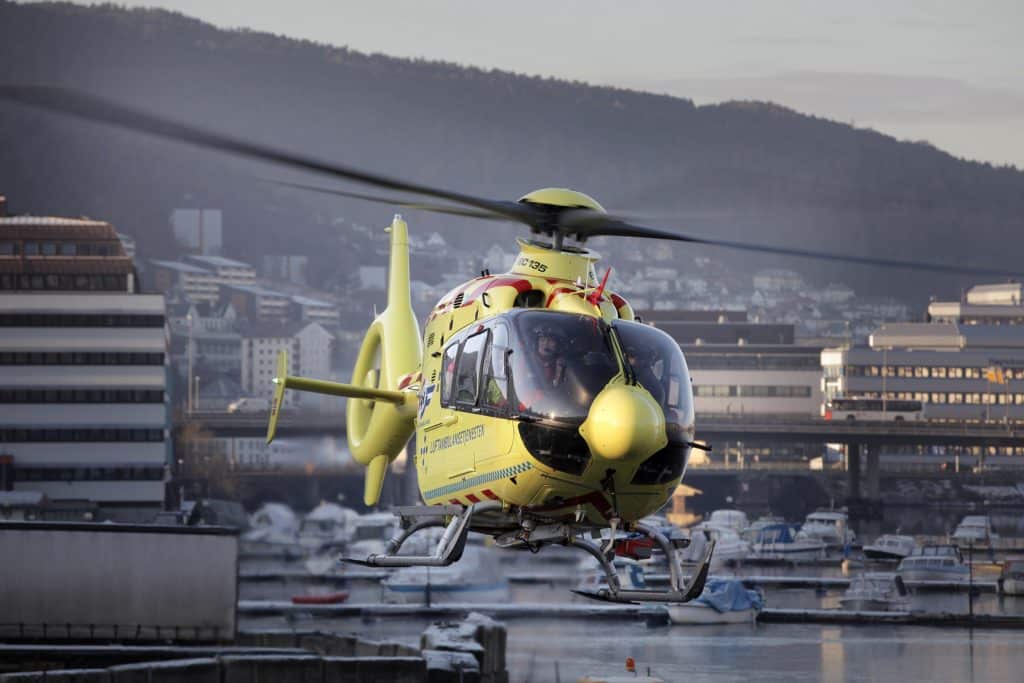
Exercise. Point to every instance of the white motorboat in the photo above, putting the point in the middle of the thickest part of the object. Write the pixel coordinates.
(724, 601)
(934, 563)
(729, 547)
(830, 526)
(272, 524)
(876, 592)
(890, 547)
(327, 525)
(733, 519)
(475, 578)
(777, 542)
(1011, 578)
(976, 530)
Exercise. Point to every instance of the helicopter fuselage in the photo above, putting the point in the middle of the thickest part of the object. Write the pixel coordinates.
(573, 430)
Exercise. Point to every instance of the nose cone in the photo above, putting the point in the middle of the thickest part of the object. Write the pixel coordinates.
(624, 422)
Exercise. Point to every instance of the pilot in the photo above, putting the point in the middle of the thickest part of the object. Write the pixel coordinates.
(550, 349)
(642, 360)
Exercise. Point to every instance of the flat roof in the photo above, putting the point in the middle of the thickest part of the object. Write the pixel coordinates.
(50, 221)
(180, 267)
(220, 261)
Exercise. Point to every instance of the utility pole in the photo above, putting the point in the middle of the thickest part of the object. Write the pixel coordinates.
(188, 381)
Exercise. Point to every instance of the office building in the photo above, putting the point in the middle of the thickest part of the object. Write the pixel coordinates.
(83, 373)
(958, 371)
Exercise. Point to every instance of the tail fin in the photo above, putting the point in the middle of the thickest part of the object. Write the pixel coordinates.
(381, 417)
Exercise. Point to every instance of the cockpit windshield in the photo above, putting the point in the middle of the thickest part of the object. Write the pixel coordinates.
(659, 366)
(561, 363)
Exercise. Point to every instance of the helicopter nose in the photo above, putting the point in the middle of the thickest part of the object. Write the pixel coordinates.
(624, 422)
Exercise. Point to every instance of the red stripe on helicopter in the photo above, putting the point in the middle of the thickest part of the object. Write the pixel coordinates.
(472, 499)
(618, 301)
(556, 292)
(490, 494)
(455, 501)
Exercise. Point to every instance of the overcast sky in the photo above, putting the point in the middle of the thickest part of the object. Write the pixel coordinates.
(951, 73)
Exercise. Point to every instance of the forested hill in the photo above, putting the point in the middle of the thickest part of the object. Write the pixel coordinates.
(744, 170)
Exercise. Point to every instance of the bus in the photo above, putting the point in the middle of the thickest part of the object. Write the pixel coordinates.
(873, 410)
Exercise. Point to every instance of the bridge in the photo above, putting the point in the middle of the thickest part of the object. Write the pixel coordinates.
(861, 438)
(711, 430)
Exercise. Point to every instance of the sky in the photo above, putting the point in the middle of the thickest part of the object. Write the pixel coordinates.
(950, 73)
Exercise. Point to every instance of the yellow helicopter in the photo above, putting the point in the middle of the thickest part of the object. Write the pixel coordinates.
(544, 412)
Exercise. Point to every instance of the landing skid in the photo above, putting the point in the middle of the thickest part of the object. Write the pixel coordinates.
(457, 522)
(449, 548)
(678, 590)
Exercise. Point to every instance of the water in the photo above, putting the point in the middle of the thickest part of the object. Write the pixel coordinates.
(568, 649)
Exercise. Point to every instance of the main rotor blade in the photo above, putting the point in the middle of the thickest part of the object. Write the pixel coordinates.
(96, 109)
(394, 201)
(584, 225)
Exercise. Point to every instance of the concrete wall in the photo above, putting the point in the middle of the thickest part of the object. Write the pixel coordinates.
(121, 582)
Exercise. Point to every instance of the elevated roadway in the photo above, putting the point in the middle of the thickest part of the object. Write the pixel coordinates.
(712, 430)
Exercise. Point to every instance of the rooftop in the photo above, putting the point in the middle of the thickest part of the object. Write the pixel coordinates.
(180, 267)
(50, 221)
(219, 262)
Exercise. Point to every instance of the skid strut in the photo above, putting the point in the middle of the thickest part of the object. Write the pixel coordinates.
(678, 590)
(449, 548)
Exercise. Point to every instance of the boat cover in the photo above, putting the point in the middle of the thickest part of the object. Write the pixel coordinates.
(729, 595)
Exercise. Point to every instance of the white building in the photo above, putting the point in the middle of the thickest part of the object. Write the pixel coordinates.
(958, 371)
(199, 284)
(228, 271)
(309, 355)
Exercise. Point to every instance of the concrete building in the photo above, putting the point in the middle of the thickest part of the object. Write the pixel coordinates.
(959, 371)
(309, 355)
(256, 303)
(228, 271)
(985, 305)
(83, 373)
(316, 310)
(198, 284)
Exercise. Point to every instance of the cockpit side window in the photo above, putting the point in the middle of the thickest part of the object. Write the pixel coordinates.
(495, 393)
(451, 354)
(467, 372)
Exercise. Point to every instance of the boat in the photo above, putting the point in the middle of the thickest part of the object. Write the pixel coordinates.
(876, 592)
(777, 542)
(729, 547)
(751, 532)
(976, 530)
(890, 547)
(1011, 578)
(473, 579)
(327, 525)
(934, 563)
(733, 519)
(335, 598)
(272, 524)
(830, 526)
(724, 601)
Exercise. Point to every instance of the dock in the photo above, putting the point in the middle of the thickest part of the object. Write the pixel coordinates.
(655, 614)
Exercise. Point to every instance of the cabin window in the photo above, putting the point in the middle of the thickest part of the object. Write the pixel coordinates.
(467, 374)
